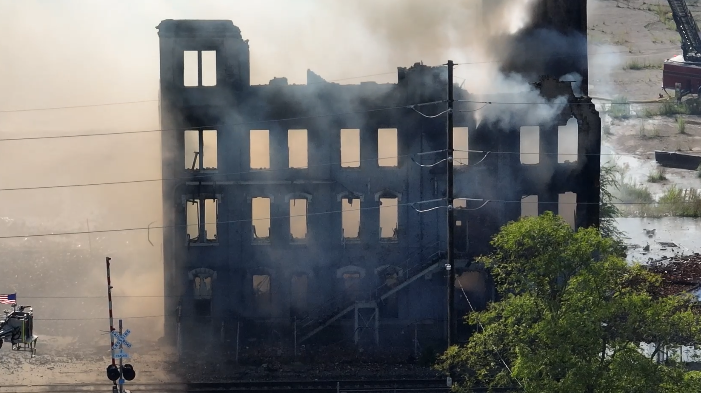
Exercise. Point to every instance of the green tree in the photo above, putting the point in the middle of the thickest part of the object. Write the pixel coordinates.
(608, 211)
(572, 318)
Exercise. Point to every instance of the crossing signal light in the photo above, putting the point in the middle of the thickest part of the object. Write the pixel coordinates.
(112, 372)
(128, 372)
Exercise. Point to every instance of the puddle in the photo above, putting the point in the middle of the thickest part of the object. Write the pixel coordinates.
(665, 237)
(637, 170)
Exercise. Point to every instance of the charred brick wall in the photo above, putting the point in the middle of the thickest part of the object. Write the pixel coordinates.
(211, 284)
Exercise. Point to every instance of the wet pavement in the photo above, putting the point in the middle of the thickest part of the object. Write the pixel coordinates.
(652, 239)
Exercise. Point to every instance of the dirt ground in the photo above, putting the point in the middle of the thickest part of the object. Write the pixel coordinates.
(629, 41)
(61, 361)
(624, 34)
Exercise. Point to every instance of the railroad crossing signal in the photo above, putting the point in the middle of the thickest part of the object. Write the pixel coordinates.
(121, 339)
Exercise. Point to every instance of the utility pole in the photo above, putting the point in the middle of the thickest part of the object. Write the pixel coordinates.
(109, 300)
(121, 366)
(450, 266)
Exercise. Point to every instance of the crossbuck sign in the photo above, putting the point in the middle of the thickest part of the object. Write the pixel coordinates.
(121, 339)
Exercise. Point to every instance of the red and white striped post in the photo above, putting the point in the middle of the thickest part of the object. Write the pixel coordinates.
(109, 299)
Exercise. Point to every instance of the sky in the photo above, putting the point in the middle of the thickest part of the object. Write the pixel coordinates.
(59, 53)
(87, 53)
(91, 54)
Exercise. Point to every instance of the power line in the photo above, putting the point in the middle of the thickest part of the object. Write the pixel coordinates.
(195, 177)
(575, 56)
(102, 318)
(544, 153)
(187, 317)
(409, 106)
(74, 106)
(97, 297)
(551, 102)
(133, 229)
(651, 53)
(144, 101)
(412, 204)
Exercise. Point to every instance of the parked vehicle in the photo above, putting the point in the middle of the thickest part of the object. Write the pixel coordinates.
(682, 73)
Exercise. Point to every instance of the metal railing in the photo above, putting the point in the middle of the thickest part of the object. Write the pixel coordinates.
(414, 264)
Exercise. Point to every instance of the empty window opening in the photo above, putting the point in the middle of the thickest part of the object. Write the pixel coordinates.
(209, 149)
(203, 287)
(192, 149)
(209, 68)
(201, 150)
(350, 148)
(260, 213)
(470, 282)
(530, 145)
(298, 293)
(568, 142)
(389, 218)
(460, 141)
(261, 290)
(193, 220)
(387, 147)
(350, 218)
(460, 203)
(260, 149)
(567, 207)
(199, 68)
(211, 209)
(351, 284)
(191, 68)
(390, 277)
(298, 219)
(529, 206)
(297, 145)
(202, 217)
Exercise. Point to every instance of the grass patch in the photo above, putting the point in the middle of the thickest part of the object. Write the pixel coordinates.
(633, 193)
(635, 200)
(620, 108)
(637, 65)
(698, 171)
(671, 107)
(680, 202)
(681, 125)
(664, 15)
(657, 175)
(642, 132)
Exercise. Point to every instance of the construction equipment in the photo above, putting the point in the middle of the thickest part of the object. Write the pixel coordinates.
(18, 328)
(683, 72)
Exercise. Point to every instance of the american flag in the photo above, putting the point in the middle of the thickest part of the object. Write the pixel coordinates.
(8, 299)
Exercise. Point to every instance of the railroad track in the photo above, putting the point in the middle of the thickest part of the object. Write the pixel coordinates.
(349, 386)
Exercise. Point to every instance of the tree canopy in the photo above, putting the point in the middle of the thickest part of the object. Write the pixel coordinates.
(572, 318)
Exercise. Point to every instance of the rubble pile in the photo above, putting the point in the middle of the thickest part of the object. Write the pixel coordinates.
(334, 362)
(679, 273)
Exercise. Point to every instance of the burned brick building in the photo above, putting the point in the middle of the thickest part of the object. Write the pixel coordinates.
(309, 207)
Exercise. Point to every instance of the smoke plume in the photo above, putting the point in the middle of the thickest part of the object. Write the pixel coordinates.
(81, 53)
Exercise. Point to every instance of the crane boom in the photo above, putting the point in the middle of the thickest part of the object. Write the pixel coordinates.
(688, 30)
